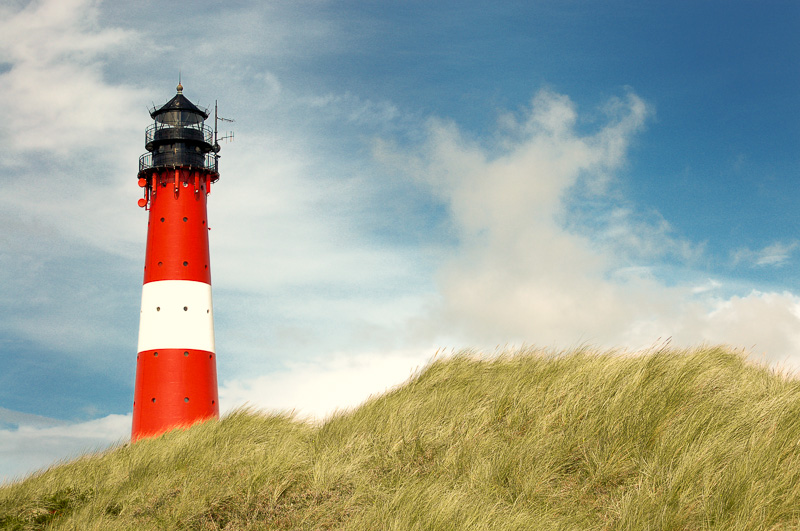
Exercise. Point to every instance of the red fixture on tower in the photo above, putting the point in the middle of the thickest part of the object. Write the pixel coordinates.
(176, 374)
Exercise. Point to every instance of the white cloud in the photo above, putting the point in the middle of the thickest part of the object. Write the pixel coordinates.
(30, 447)
(315, 389)
(709, 285)
(518, 274)
(54, 95)
(525, 271)
(765, 324)
(774, 255)
(630, 235)
(13, 419)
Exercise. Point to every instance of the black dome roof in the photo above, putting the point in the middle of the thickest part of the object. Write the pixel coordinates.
(180, 103)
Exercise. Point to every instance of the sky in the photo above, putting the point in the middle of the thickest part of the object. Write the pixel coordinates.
(406, 180)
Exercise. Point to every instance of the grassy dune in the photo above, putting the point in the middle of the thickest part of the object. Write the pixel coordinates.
(696, 439)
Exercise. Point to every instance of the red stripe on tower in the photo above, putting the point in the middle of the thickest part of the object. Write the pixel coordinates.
(176, 374)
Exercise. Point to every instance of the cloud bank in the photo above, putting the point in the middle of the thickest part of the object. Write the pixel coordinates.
(531, 267)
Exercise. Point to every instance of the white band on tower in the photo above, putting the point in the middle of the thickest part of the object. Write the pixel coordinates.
(176, 314)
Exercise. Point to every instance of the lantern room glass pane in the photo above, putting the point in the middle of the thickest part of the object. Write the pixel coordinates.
(179, 118)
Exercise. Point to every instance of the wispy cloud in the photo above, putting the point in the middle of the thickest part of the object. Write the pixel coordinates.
(709, 285)
(54, 97)
(354, 109)
(775, 255)
(31, 446)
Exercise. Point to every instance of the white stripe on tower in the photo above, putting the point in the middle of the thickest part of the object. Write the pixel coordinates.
(176, 314)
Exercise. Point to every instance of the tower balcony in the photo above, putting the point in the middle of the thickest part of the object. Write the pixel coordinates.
(178, 159)
(164, 133)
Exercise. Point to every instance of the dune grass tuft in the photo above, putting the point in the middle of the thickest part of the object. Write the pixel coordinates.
(670, 440)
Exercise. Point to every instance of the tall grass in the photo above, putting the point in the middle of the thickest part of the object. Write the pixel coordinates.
(671, 440)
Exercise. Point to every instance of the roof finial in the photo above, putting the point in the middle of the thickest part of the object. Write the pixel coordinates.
(180, 87)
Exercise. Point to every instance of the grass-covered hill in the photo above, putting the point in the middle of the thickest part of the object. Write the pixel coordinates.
(688, 440)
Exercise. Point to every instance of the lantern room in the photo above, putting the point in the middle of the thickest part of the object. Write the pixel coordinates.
(179, 138)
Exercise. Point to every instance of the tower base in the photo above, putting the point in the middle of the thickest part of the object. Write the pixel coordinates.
(174, 388)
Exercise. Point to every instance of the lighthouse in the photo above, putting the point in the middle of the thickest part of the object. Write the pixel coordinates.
(176, 374)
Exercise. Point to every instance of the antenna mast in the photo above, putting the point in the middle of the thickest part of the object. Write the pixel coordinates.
(228, 136)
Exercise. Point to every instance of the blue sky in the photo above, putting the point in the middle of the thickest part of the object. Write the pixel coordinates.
(405, 178)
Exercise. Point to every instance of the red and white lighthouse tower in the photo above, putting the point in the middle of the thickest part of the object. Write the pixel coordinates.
(176, 374)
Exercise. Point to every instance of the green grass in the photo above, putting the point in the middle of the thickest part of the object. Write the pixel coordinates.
(698, 439)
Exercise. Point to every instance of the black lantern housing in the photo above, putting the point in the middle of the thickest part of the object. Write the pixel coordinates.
(179, 138)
